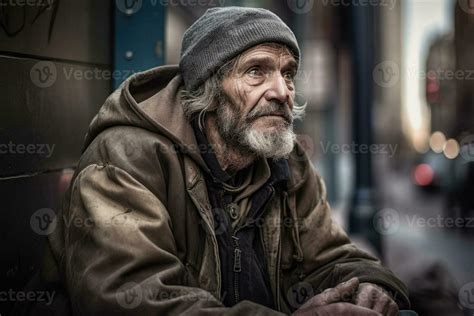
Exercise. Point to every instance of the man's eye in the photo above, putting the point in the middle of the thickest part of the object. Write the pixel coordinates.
(254, 71)
(289, 75)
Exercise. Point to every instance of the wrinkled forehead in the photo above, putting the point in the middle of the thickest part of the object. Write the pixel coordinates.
(279, 50)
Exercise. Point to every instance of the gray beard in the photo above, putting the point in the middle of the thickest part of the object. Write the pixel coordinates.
(276, 144)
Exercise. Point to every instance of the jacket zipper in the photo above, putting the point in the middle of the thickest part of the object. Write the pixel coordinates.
(277, 269)
(238, 257)
(237, 268)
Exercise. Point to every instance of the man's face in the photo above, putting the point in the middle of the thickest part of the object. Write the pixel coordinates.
(257, 115)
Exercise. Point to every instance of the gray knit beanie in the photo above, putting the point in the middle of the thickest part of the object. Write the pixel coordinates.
(223, 33)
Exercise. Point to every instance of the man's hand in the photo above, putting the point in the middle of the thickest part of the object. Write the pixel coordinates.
(335, 301)
(350, 298)
(375, 298)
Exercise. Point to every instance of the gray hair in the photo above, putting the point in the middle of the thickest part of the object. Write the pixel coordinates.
(209, 95)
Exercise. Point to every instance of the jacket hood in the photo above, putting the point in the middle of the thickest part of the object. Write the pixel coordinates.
(149, 100)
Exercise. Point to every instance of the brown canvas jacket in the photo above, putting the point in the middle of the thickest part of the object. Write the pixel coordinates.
(136, 232)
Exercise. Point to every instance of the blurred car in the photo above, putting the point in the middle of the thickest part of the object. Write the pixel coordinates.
(432, 171)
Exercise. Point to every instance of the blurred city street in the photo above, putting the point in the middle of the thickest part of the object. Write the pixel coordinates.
(418, 243)
(386, 88)
(422, 240)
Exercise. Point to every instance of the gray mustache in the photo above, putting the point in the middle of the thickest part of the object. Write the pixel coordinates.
(273, 108)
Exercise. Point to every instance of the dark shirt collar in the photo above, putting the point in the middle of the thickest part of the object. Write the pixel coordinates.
(207, 153)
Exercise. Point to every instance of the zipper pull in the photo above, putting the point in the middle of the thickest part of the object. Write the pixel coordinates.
(237, 255)
(237, 261)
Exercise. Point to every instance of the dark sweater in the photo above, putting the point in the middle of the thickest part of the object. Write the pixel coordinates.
(243, 268)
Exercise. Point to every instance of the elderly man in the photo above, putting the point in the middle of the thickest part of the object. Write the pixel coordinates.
(193, 197)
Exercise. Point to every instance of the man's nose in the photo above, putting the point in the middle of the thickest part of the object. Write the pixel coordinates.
(278, 89)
